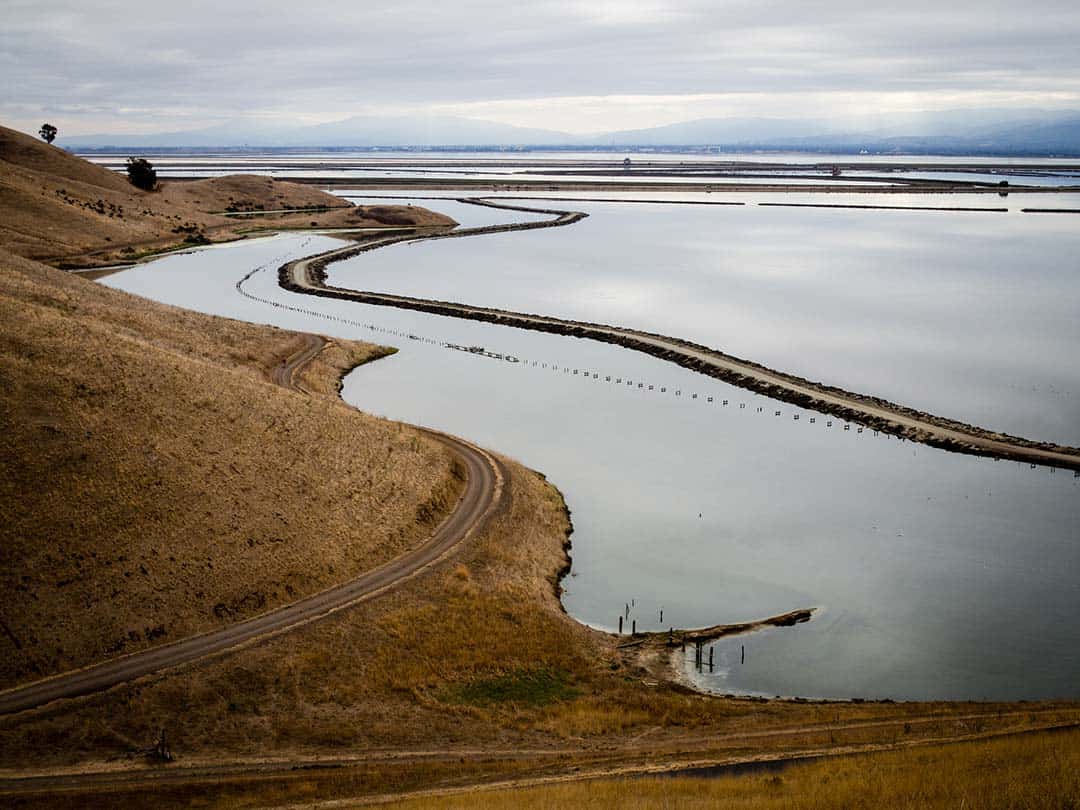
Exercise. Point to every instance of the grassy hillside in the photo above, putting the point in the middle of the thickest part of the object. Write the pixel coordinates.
(59, 208)
(156, 484)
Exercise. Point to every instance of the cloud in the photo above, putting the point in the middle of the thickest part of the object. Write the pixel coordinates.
(572, 65)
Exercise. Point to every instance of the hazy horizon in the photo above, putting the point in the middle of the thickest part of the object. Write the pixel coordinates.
(128, 68)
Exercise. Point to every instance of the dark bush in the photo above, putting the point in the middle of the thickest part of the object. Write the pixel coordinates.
(141, 173)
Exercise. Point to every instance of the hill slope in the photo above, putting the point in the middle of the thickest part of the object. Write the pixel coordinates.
(60, 208)
(155, 483)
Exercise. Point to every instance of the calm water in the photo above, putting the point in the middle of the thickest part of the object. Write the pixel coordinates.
(968, 315)
(939, 576)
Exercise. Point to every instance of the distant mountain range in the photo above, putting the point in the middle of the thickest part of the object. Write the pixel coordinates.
(1035, 132)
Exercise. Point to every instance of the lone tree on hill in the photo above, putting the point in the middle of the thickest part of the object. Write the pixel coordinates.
(141, 173)
(47, 133)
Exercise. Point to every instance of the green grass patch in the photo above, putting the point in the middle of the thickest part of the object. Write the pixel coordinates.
(527, 687)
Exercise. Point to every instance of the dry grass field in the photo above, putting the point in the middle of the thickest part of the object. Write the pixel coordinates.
(1032, 771)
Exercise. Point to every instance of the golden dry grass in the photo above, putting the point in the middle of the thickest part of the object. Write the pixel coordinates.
(1033, 772)
(157, 485)
(372, 675)
(63, 209)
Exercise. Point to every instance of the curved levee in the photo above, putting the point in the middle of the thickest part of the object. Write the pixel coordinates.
(308, 276)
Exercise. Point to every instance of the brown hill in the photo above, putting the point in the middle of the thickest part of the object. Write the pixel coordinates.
(25, 152)
(155, 483)
(67, 211)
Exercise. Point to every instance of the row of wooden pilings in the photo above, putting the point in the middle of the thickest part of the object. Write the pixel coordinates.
(699, 644)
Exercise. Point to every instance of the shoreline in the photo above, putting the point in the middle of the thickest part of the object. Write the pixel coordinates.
(648, 646)
(662, 653)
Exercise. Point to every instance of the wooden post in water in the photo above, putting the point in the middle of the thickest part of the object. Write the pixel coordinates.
(620, 625)
(711, 649)
(633, 626)
(742, 657)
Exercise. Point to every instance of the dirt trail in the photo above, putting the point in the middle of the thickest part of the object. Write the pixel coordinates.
(287, 374)
(309, 276)
(633, 757)
(484, 487)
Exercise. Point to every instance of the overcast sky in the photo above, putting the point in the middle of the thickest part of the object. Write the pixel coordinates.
(127, 66)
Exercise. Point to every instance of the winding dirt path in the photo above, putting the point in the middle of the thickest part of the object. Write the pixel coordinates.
(287, 374)
(484, 486)
(308, 276)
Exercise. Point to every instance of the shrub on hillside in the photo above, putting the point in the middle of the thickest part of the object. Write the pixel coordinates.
(141, 173)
